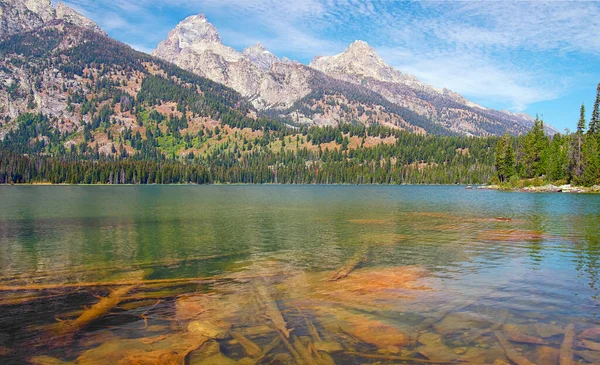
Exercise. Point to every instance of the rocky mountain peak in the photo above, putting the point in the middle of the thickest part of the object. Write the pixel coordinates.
(26, 15)
(260, 56)
(358, 46)
(359, 60)
(195, 36)
(196, 29)
(68, 15)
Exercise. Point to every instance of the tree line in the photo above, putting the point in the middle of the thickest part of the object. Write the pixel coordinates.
(570, 158)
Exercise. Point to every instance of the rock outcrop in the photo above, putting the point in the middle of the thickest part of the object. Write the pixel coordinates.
(18, 16)
(68, 15)
(260, 57)
(257, 74)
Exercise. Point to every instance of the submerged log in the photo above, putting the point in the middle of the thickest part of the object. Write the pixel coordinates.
(155, 283)
(352, 263)
(271, 310)
(299, 360)
(590, 345)
(94, 284)
(522, 338)
(87, 269)
(319, 344)
(303, 352)
(510, 352)
(399, 358)
(98, 310)
(590, 333)
(47, 360)
(270, 347)
(566, 349)
(250, 347)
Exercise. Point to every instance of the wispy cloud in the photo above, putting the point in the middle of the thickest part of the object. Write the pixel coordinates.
(510, 53)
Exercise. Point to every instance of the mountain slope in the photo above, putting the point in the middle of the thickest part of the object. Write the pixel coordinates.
(79, 107)
(82, 89)
(288, 89)
(361, 65)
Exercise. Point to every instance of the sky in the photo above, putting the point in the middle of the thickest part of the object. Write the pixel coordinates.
(537, 57)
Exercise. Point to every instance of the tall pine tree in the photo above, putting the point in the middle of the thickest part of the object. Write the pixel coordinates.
(505, 158)
(576, 168)
(535, 146)
(591, 162)
(595, 121)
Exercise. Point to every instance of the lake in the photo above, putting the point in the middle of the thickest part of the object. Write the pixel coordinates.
(297, 274)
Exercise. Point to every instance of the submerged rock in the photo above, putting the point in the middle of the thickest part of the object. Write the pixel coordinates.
(209, 354)
(217, 330)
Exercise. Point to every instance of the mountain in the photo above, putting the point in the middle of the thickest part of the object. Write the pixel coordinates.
(356, 86)
(195, 45)
(360, 64)
(282, 89)
(25, 15)
(65, 85)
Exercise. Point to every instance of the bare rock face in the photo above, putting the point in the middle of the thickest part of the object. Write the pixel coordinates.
(20, 15)
(260, 57)
(359, 60)
(257, 74)
(26, 15)
(43, 8)
(69, 15)
(360, 64)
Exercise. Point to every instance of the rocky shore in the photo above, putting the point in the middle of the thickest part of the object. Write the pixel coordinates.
(545, 189)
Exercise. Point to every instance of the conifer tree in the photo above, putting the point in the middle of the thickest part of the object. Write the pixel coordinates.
(595, 121)
(535, 146)
(505, 158)
(591, 162)
(576, 169)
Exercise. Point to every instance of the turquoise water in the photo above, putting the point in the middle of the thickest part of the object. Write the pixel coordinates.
(513, 260)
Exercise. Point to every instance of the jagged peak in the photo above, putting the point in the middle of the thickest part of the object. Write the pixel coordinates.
(197, 28)
(257, 48)
(70, 15)
(260, 56)
(358, 44)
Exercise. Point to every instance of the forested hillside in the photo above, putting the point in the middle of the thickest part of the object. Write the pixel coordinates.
(79, 107)
(82, 108)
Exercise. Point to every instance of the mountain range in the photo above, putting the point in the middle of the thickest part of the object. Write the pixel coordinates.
(96, 91)
(332, 89)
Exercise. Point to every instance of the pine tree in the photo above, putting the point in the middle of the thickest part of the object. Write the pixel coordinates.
(535, 146)
(595, 121)
(505, 158)
(581, 123)
(557, 161)
(576, 168)
(591, 162)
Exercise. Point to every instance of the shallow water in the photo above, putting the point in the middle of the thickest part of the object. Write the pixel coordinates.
(434, 273)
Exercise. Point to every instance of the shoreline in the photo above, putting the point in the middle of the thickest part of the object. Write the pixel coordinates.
(229, 184)
(549, 188)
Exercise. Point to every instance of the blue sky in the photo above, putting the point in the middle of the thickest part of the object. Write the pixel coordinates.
(534, 57)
